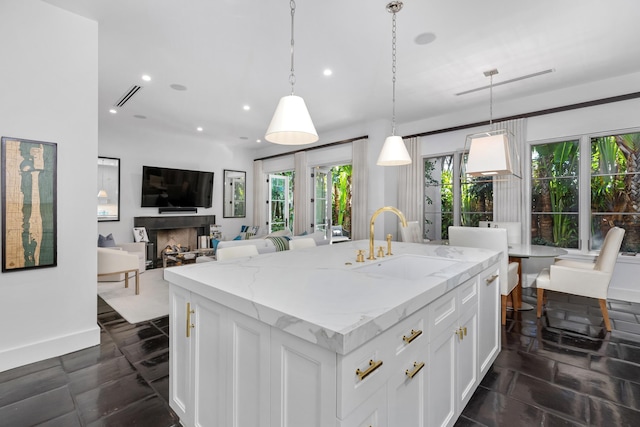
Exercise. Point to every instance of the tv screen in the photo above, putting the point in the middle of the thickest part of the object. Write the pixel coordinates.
(165, 187)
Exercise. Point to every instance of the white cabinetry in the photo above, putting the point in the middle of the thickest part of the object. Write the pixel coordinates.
(228, 369)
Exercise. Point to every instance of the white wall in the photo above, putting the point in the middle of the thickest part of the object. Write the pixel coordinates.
(48, 82)
(136, 149)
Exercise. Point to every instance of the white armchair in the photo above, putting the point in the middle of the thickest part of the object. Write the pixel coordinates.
(496, 239)
(223, 254)
(112, 261)
(584, 278)
(136, 248)
(412, 233)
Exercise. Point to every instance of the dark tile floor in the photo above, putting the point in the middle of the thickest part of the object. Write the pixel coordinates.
(563, 370)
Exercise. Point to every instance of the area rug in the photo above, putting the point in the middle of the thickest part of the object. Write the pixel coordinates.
(152, 302)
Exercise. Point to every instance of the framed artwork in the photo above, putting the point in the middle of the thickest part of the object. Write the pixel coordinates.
(140, 234)
(29, 204)
(108, 189)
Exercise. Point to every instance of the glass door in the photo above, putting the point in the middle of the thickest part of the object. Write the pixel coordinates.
(322, 200)
(278, 203)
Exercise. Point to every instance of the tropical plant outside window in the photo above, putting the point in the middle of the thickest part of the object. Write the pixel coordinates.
(341, 196)
(554, 194)
(615, 189)
(477, 200)
(281, 201)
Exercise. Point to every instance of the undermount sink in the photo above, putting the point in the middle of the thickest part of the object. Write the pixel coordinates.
(407, 267)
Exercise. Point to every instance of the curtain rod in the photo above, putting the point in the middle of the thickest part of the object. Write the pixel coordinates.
(534, 114)
(330, 144)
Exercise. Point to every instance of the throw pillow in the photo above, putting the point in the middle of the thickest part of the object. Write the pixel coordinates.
(248, 235)
(106, 242)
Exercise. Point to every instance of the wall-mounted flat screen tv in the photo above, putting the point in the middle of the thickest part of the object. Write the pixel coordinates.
(166, 187)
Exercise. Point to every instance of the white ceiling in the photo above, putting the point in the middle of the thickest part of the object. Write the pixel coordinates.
(230, 53)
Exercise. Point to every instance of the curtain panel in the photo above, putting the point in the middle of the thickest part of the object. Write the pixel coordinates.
(359, 179)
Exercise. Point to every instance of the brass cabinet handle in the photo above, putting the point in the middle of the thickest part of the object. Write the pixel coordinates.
(491, 279)
(416, 368)
(189, 325)
(372, 367)
(465, 331)
(459, 333)
(414, 334)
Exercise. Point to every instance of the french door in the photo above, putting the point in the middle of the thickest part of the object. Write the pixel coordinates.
(278, 203)
(322, 200)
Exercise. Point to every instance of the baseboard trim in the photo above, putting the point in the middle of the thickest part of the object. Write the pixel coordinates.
(42, 350)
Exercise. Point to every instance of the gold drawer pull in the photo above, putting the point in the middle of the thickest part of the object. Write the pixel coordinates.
(372, 367)
(189, 325)
(459, 333)
(491, 279)
(416, 368)
(465, 331)
(414, 335)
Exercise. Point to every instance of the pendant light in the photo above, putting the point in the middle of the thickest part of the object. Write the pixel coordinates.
(491, 153)
(291, 123)
(394, 152)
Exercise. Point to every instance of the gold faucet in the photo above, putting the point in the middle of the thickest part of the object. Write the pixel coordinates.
(373, 220)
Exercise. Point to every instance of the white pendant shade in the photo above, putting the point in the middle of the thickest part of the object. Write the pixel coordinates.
(394, 152)
(489, 155)
(291, 123)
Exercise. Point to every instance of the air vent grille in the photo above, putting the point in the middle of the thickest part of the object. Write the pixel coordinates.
(127, 96)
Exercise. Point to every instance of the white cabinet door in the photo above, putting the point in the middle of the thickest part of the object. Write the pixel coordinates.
(248, 372)
(488, 318)
(467, 356)
(441, 395)
(303, 382)
(372, 413)
(407, 393)
(180, 391)
(209, 362)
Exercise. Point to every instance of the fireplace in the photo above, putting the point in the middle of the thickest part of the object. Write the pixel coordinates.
(176, 229)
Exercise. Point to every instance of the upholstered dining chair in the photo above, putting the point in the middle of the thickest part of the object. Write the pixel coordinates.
(113, 261)
(514, 229)
(232, 252)
(305, 242)
(587, 279)
(495, 239)
(412, 232)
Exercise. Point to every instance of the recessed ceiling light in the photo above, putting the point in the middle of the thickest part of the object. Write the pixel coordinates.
(258, 141)
(113, 111)
(425, 38)
(177, 87)
(146, 77)
(327, 72)
(246, 107)
(199, 129)
(139, 116)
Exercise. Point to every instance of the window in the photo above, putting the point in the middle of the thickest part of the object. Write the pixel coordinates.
(615, 189)
(438, 196)
(554, 194)
(440, 201)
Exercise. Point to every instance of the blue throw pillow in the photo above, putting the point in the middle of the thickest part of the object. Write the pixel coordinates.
(106, 242)
(214, 244)
(237, 237)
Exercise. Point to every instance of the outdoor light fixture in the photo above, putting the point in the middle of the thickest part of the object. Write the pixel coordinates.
(492, 152)
(291, 123)
(394, 152)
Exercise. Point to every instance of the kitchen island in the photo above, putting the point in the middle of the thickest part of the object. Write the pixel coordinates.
(314, 338)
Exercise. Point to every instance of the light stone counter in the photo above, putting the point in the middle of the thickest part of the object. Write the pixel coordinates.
(319, 295)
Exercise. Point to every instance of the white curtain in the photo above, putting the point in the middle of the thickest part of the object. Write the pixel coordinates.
(411, 185)
(508, 190)
(301, 190)
(359, 185)
(259, 195)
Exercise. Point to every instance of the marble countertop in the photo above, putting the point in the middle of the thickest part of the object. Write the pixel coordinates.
(320, 295)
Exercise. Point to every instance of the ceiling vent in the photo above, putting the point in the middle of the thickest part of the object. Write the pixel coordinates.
(127, 96)
(517, 79)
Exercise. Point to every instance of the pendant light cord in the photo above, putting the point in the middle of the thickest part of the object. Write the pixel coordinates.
(491, 100)
(292, 76)
(393, 72)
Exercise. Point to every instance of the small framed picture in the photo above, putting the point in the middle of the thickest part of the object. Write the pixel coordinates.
(140, 234)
